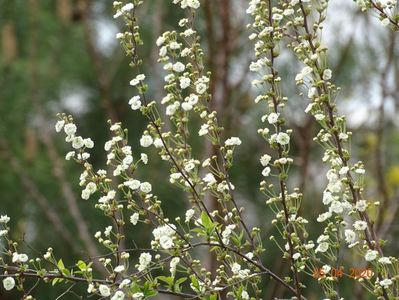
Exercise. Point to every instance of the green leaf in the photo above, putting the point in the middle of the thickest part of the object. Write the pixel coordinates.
(206, 221)
(81, 265)
(178, 283)
(54, 282)
(60, 265)
(167, 280)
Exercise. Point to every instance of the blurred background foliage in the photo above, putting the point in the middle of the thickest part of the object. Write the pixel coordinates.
(62, 56)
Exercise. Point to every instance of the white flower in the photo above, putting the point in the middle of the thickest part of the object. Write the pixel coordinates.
(244, 295)
(91, 187)
(160, 41)
(189, 3)
(88, 143)
(90, 288)
(3, 232)
(115, 127)
(127, 161)
(273, 118)
(144, 158)
(77, 142)
(174, 45)
(277, 17)
(8, 283)
(233, 141)
(296, 256)
(163, 51)
(235, 268)
(173, 264)
(209, 179)
(144, 260)
(265, 159)
(311, 93)
(164, 234)
(119, 295)
(309, 107)
(184, 82)
(134, 218)
(145, 187)
(4, 219)
(326, 269)
(127, 7)
(85, 194)
(386, 282)
(171, 109)
(324, 216)
(186, 106)
(19, 258)
(146, 141)
(361, 205)
(158, 143)
(385, 260)
(104, 290)
(360, 225)
(166, 242)
(343, 170)
(135, 103)
(360, 171)
(200, 88)
(350, 236)
(192, 99)
(385, 22)
(266, 171)
(138, 296)
(178, 67)
(204, 130)
(322, 238)
(107, 230)
(336, 207)
(59, 125)
(327, 74)
(132, 184)
(189, 166)
(124, 283)
(70, 129)
(119, 269)
(189, 214)
(322, 247)
(371, 255)
(327, 198)
(283, 138)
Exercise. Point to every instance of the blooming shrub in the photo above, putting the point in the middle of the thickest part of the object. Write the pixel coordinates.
(172, 263)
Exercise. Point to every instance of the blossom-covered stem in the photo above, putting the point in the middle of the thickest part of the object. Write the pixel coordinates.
(380, 10)
(370, 233)
(251, 261)
(30, 273)
(200, 204)
(244, 225)
(118, 242)
(162, 221)
(288, 227)
(154, 124)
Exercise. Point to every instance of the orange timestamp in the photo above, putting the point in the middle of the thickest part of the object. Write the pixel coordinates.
(354, 273)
